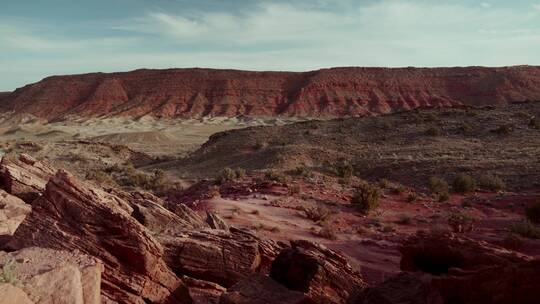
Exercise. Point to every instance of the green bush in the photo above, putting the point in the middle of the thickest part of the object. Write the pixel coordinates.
(366, 198)
(533, 213)
(412, 197)
(491, 183)
(443, 197)
(464, 184)
(526, 229)
(534, 123)
(437, 185)
(433, 131)
(275, 176)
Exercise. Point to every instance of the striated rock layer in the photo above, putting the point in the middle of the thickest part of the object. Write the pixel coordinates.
(322, 93)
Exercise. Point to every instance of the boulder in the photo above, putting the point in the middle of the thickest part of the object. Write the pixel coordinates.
(12, 212)
(53, 276)
(323, 274)
(24, 176)
(71, 215)
(222, 257)
(10, 294)
(436, 253)
(260, 289)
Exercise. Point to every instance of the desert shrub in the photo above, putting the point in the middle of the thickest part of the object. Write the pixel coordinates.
(366, 198)
(101, 177)
(259, 145)
(534, 123)
(240, 173)
(465, 128)
(275, 176)
(504, 130)
(437, 185)
(443, 197)
(399, 189)
(226, 175)
(8, 274)
(491, 183)
(317, 214)
(533, 213)
(346, 171)
(433, 131)
(384, 183)
(405, 219)
(464, 184)
(328, 232)
(294, 189)
(303, 171)
(526, 229)
(412, 197)
(461, 222)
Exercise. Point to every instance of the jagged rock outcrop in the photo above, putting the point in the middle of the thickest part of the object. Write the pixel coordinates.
(452, 269)
(12, 212)
(438, 253)
(215, 221)
(52, 276)
(260, 289)
(322, 93)
(71, 215)
(323, 274)
(161, 221)
(222, 257)
(24, 176)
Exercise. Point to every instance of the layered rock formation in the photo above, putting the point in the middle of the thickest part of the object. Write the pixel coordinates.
(72, 216)
(323, 93)
(444, 268)
(24, 176)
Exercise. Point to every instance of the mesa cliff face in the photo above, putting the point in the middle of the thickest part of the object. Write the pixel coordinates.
(323, 93)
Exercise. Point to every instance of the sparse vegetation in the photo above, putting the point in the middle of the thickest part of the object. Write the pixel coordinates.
(443, 197)
(526, 229)
(464, 184)
(294, 189)
(317, 214)
(405, 219)
(491, 183)
(437, 185)
(303, 171)
(504, 129)
(533, 213)
(8, 274)
(399, 189)
(412, 197)
(534, 123)
(275, 176)
(366, 198)
(230, 175)
(327, 231)
(384, 183)
(461, 222)
(433, 131)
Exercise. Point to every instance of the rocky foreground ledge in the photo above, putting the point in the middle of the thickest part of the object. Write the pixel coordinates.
(67, 241)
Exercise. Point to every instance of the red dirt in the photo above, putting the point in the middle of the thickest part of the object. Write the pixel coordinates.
(323, 93)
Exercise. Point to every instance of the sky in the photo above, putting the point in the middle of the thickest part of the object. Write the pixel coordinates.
(39, 38)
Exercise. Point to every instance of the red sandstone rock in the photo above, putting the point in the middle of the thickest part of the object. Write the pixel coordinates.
(222, 257)
(71, 215)
(24, 177)
(323, 93)
(260, 289)
(323, 274)
(438, 253)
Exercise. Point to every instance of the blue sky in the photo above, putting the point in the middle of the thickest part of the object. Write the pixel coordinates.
(39, 38)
